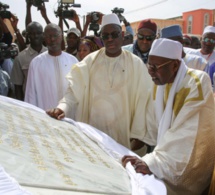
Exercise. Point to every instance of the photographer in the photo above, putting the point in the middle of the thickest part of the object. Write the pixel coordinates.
(128, 37)
(73, 39)
(40, 7)
(75, 19)
(128, 27)
(93, 18)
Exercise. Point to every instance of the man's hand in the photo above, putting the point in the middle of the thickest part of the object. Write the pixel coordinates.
(75, 17)
(56, 113)
(139, 165)
(14, 21)
(29, 3)
(100, 17)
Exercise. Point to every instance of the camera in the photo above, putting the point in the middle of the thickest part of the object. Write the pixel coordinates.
(63, 9)
(67, 13)
(118, 12)
(94, 19)
(3, 11)
(6, 52)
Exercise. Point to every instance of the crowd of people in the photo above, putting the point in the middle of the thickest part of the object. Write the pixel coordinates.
(154, 95)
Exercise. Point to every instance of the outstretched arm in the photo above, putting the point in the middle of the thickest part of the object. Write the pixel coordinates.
(42, 9)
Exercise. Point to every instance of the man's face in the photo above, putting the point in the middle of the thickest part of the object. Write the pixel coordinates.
(111, 35)
(145, 38)
(35, 34)
(208, 43)
(72, 40)
(165, 73)
(53, 39)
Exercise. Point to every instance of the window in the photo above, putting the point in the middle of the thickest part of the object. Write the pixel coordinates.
(206, 20)
(189, 24)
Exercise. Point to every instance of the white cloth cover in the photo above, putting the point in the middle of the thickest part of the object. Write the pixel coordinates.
(141, 185)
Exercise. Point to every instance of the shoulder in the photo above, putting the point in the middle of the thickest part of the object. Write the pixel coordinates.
(197, 58)
(191, 50)
(69, 57)
(40, 58)
(44, 49)
(7, 62)
(128, 47)
(198, 77)
(129, 55)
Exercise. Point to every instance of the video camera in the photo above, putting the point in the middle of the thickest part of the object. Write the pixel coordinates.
(63, 9)
(3, 11)
(37, 3)
(6, 52)
(94, 19)
(118, 12)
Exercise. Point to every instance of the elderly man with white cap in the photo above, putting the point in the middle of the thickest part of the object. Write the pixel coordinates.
(180, 123)
(108, 89)
(207, 43)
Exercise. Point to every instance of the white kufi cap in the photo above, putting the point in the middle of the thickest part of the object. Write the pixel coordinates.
(209, 29)
(110, 19)
(166, 48)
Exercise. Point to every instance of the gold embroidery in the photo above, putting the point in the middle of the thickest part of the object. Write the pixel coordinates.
(180, 98)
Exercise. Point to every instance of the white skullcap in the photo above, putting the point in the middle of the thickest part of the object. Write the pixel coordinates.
(110, 19)
(166, 48)
(209, 29)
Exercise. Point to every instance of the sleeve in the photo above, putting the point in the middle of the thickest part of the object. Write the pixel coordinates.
(74, 94)
(30, 93)
(211, 72)
(141, 90)
(7, 66)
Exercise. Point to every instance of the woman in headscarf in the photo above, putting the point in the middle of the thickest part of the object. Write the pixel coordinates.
(88, 45)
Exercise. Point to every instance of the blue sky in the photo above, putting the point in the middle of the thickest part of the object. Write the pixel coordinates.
(135, 10)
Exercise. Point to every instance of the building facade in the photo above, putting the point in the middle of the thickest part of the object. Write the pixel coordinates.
(191, 22)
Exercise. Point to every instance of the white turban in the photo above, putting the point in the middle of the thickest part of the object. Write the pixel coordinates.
(110, 19)
(166, 48)
(209, 29)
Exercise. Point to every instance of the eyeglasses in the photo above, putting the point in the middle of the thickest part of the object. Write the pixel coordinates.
(156, 67)
(208, 40)
(146, 37)
(55, 36)
(113, 35)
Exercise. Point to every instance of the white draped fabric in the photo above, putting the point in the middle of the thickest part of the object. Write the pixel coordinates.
(141, 185)
(164, 117)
